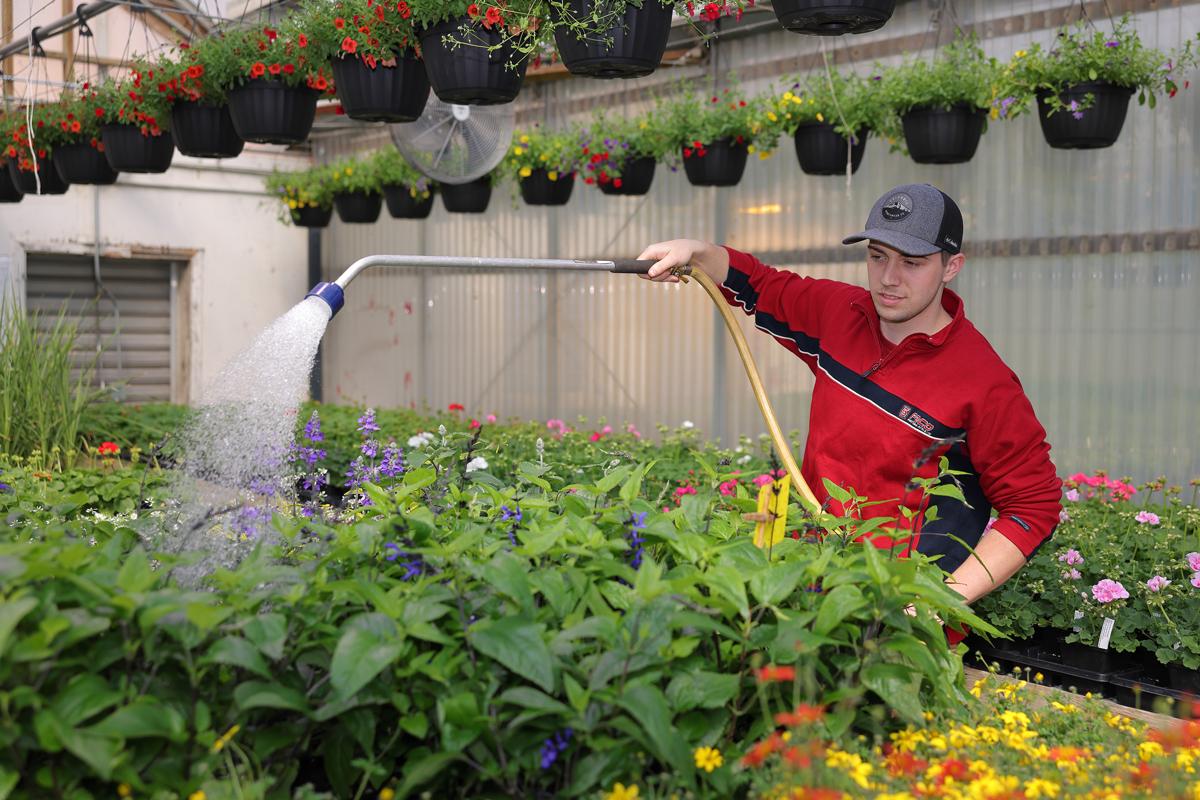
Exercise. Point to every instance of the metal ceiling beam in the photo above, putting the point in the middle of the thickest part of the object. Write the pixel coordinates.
(59, 25)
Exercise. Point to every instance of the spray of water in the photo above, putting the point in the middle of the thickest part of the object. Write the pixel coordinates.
(233, 450)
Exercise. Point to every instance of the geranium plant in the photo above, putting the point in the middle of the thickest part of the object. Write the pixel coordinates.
(1084, 53)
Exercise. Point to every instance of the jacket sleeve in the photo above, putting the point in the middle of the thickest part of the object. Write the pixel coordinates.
(1008, 448)
(786, 305)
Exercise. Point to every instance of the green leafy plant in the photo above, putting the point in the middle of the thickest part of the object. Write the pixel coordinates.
(556, 152)
(373, 32)
(519, 26)
(1083, 53)
(692, 122)
(353, 175)
(268, 53)
(609, 141)
(200, 72)
(849, 103)
(43, 391)
(311, 188)
(394, 170)
(135, 100)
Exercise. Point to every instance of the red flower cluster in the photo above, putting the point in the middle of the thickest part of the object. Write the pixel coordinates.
(108, 449)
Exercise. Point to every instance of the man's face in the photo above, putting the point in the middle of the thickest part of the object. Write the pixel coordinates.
(902, 286)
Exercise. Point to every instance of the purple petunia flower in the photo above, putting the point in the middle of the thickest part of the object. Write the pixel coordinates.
(1112, 43)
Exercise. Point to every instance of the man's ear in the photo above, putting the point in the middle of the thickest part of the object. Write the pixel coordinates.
(952, 267)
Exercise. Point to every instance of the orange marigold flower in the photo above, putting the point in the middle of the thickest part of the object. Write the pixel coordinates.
(772, 672)
(758, 754)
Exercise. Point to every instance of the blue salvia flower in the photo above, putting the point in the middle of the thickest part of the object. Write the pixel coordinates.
(366, 423)
(248, 518)
(553, 747)
(412, 564)
(393, 461)
(393, 551)
(514, 516)
(370, 448)
(312, 429)
(637, 524)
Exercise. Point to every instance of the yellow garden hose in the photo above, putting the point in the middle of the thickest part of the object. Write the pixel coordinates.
(760, 394)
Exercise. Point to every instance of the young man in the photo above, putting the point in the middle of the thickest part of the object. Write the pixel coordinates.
(902, 378)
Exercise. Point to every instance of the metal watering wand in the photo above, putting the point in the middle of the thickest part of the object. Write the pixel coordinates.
(334, 295)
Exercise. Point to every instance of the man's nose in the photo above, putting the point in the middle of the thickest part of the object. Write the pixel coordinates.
(891, 274)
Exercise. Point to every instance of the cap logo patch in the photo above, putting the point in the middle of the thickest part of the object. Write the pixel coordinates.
(897, 207)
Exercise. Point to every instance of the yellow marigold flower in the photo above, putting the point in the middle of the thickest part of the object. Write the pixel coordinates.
(1020, 54)
(771, 116)
(788, 95)
(798, 100)
(526, 172)
(199, 795)
(820, 117)
(894, 796)
(1066, 708)
(1015, 719)
(763, 155)
(552, 175)
(1148, 750)
(291, 203)
(708, 758)
(543, 157)
(1039, 677)
(1196, 791)
(1040, 787)
(750, 149)
(622, 792)
(518, 151)
(387, 794)
(124, 790)
(349, 171)
(525, 140)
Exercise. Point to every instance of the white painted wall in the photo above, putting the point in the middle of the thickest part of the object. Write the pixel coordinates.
(244, 268)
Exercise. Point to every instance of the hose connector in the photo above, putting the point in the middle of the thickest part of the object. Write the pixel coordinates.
(332, 294)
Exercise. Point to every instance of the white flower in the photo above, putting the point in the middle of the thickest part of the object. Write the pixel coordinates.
(687, 423)
(745, 459)
(475, 463)
(420, 439)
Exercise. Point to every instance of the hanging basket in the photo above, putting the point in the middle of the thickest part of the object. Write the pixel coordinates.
(538, 190)
(82, 163)
(636, 176)
(205, 131)
(383, 94)
(833, 17)
(27, 182)
(470, 74)
(358, 206)
(129, 150)
(943, 136)
(822, 151)
(401, 203)
(631, 48)
(311, 216)
(720, 163)
(10, 191)
(1098, 126)
(271, 112)
(467, 198)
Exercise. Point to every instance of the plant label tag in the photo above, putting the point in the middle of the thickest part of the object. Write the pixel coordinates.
(1106, 633)
(1078, 615)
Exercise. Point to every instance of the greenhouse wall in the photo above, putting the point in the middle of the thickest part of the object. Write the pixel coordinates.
(1082, 265)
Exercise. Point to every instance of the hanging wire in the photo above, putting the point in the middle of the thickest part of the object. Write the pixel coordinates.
(841, 116)
(34, 14)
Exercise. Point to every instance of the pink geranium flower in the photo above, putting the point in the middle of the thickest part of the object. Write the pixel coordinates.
(1147, 517)
(491, 418)
(1073, 495)
(728, 488)
(1193, 560)
(1071, 558)
(1157, 583)
(1196, 580)
(1063, 516)
(1107, 591)
(1072, 574)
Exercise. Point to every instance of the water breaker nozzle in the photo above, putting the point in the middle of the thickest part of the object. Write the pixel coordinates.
(332, 294)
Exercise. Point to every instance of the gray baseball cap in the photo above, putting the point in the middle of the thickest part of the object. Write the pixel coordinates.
(917, 219)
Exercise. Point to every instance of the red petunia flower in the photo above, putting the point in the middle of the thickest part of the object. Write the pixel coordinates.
(473, 11)
(288, 69)
(349, 45)
(339, 23)
(274, 69)
(456, 407)
(258, 70)
(302, 40)
(403, 9)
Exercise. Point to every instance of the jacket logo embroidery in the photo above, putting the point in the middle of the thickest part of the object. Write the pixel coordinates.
(914, 419)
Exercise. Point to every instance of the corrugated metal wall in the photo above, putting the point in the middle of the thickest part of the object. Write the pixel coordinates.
(1082, 268)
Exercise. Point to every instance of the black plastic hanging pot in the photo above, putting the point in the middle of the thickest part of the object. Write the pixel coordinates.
(720, 163)
(631, 48)
(1096, 126)
(10, 190)
(27, 182)
(129, 150)
(467, 198)
(269, 111)
(358, 206)
(82, 163)
(382, 94)
(538, 190)
(822, 151)
(943, 136)
(472, 73)
(833, 17)
(205, 131)
(311, 216)
(403, 204)
(636, 176)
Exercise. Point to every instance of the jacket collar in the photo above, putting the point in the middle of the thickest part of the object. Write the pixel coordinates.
(951, 302)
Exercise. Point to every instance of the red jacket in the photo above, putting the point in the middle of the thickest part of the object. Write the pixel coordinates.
(879, 420)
